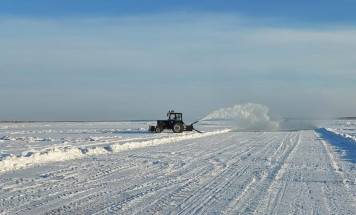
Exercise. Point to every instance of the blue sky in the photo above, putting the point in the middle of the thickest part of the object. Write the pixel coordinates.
(112, 60)
(298, 10)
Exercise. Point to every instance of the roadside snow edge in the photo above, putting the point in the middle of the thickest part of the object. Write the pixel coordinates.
(10, 162)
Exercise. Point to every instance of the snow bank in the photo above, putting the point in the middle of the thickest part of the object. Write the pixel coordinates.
(245, 117)
(10, 162)
(339, 133)
(28, 139)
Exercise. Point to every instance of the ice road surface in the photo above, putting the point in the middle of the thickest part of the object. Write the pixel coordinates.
(120, 168)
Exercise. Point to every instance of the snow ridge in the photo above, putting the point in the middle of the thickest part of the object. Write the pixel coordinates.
(10, 162)
(338, 133)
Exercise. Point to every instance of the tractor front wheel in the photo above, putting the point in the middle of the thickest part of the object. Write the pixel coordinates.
(158, 129)
(178, 127)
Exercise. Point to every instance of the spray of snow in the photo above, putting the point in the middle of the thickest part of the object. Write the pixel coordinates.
(297, 124)
(248, 116)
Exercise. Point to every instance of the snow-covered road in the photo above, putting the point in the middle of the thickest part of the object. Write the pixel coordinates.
(294, 172)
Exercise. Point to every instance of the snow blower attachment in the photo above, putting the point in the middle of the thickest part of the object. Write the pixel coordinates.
(174, 122)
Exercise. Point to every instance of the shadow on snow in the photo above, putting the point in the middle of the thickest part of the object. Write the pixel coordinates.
(342, 143)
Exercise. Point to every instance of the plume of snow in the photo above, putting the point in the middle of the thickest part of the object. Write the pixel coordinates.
(248, 116)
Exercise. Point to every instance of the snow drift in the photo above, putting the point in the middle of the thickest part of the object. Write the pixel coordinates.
(10, 162)
(339, 133)
(248, 116)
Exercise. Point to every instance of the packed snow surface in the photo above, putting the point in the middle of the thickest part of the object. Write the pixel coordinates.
(248, 116)
(86, 146)
(120, 168)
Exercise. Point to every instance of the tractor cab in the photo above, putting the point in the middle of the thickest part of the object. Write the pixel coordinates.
(174, 116)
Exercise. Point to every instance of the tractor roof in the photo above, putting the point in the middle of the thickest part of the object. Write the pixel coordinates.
(173, 112)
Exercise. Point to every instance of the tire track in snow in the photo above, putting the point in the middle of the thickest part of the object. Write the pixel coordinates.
(307, 182)
(338, 170)
(334, 164)
(255, 191)
(159, 171)
(192, 173)
(60, 192)
(187, 176)
(65, 189)
(282, 169)
(207, 193)
(189, 193)
(176, 197)
(268, 206)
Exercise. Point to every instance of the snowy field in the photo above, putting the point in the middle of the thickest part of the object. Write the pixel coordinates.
(120, 168)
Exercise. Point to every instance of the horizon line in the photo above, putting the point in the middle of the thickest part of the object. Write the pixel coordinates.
(140, 120)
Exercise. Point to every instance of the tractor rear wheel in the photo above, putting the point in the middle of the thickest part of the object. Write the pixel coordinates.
(178, 127)
(158, 129)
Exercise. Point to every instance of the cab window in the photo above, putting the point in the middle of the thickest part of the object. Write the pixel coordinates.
(172, 117)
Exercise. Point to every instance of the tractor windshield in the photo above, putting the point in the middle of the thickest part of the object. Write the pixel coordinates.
(172, 117)
(175, 117)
